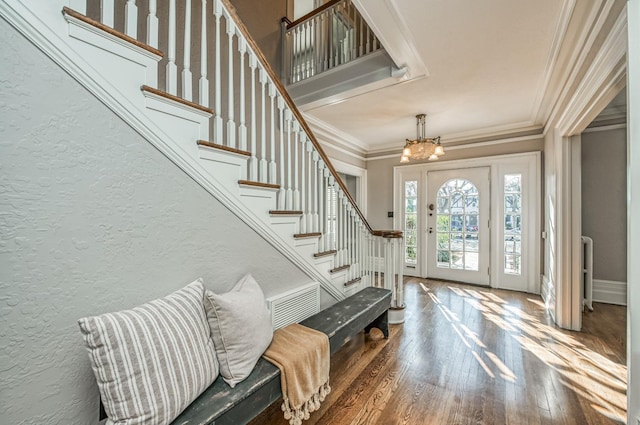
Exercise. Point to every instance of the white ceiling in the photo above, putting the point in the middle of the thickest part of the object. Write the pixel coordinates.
(476, 68)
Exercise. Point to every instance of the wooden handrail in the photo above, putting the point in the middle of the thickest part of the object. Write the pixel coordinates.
(296, 113)
(314, 12)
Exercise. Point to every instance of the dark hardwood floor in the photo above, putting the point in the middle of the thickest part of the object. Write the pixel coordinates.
(470, 355)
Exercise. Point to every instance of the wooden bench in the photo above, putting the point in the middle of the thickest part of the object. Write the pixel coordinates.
(220, 405)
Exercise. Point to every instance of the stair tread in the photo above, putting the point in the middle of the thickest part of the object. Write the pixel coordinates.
(258, 184)
(325, 253)
(285, 212)
(337, 269)
(352, 281)
(223, 147)
(70, 12)
(307, 235)
(177, 99)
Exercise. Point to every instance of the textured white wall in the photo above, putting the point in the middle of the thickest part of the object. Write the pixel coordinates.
(92, 219)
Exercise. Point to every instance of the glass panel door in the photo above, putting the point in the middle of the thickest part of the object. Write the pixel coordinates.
(458, 225)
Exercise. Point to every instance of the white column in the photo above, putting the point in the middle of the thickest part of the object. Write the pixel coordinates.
(231, 124)
(316, 218)
(203, 83)
(107, 12)
(217, 109)
(272, 132)
(289, 160)
(281, 148)
(242, 127)
(303, 188)
(264, 177)
(187, 79)
(322, 217)
(253, 161)
(152, 24)
(172, 69)
(131, 19)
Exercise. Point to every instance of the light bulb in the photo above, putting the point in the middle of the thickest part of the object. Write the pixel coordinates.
(433, 157)
(404, 158)
(439, 150)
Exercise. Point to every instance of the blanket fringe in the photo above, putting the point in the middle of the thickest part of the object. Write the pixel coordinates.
(295, 416)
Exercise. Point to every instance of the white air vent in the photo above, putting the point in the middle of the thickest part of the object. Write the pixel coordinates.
(295, 305)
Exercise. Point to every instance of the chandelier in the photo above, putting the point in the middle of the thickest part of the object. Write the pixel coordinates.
(422, 147)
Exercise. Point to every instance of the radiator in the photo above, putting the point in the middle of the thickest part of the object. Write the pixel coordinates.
(587, 272)
(294, 305)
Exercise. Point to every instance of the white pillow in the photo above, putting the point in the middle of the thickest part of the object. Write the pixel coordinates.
(240, 328)
(152, 361)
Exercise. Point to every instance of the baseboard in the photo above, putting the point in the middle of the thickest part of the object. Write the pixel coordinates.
(609, 292)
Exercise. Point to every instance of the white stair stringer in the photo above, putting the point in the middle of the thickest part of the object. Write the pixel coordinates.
(53, 39)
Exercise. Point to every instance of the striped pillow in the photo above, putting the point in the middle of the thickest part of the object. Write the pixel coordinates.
(152, 361)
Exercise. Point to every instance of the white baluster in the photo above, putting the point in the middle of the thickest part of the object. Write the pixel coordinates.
(296, 170)
(308, 58)
(303, 188)
(152, 24)
(242, 127)
(203, 83)
(231, 124)
(272, 132)
(331, 196)
(341, 227)
(322, 63)
(187, 79)
(172, 69)
(309, 195)
(321, 210)
(253, 161)
(217, 110)
(263, 128)
(79, 6)
(282, 191)
(314, 205)
(345, 236)
(288, 161)
(131, 19)
(107, 12)
(349, 236)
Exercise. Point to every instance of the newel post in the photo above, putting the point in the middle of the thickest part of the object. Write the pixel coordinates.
(393, 273)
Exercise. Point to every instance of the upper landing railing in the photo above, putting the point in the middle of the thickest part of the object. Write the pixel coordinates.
(331, 35)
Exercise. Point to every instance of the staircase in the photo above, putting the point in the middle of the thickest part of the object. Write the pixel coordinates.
(190, 79)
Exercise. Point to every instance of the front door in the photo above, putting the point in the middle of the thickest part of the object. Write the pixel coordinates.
(458, 225)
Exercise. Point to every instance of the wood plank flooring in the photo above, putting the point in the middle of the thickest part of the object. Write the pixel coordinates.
(470, 355)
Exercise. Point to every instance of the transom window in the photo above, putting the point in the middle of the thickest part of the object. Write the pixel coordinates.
(457, 225)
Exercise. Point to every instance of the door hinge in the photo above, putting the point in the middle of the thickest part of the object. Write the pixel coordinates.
(488, 270)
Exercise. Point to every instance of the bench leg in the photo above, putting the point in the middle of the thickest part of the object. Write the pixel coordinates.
(382, 323)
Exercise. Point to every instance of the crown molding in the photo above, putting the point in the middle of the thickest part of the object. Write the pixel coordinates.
(601, 82)
(595, 22)
(335, 137)
(558, 39)
(503, 132)
(396, 153)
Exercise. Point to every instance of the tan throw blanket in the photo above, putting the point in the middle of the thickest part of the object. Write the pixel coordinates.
(302, 355)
